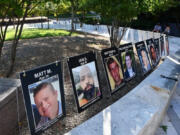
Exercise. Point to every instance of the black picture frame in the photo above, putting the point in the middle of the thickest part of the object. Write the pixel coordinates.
(109, 56)
(85, 75)
(152, 52)
(157, 48)
(167, 45)
(38, 98)
(128, 59)
(162, 46)
(141, 48)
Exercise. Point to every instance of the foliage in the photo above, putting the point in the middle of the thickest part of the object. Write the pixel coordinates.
(143, 24)
(164, 127)
(90, 20)
(121, 11)
(13, 11)
(117, 12)
(159, 6)
(53, 8)
(151, 12)
(62, 7)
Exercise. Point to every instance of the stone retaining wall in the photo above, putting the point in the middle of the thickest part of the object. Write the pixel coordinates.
(8, 105)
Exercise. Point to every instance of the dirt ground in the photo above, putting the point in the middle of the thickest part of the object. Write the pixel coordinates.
(36, 52)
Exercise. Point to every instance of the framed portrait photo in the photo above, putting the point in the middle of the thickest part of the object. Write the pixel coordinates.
(143, 57)
(113, 68)
(152, 52)
(167, 45)
(43, 95)
(162, 46)
(128, 61)
(157, 48)
(85, 79)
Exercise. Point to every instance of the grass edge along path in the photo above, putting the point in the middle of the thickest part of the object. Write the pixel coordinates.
(37, 33)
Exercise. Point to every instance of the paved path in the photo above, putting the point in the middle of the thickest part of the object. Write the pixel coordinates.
(172, 119)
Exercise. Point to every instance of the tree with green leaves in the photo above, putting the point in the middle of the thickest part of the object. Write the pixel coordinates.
(39, 10)
(20, 13)
(14, 12)
(83, 8)
(117, 13)
(74, 6)
(155, 7)
(57, 8)
(6, 11)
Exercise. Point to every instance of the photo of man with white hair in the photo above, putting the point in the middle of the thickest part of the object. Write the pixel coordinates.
(85, 88)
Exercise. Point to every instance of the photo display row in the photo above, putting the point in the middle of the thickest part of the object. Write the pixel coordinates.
(43, 89)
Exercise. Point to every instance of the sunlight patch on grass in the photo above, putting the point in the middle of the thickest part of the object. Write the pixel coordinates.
(36, 33)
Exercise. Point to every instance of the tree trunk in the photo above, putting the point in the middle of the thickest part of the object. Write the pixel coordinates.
(3, 32)
(12, 60)
(13, 51)
(72, 17)
(85, 40)
(48, 22)
(111, 34)
(83, 18)
(14, 25)
(114, 36)
(121, 36)
(1, 46)
(3, 35)
(48, 19)
(17, 35)
(57, 16)
(41, 23)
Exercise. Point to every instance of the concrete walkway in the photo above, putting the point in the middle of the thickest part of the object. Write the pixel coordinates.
(171, 122)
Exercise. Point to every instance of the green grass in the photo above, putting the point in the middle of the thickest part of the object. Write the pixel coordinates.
(36, 33)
